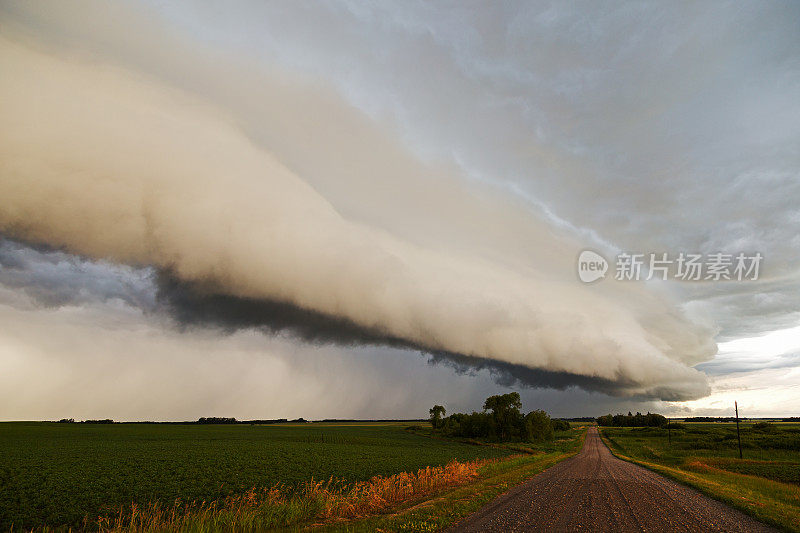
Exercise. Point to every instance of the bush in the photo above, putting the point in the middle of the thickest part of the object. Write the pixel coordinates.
(469, 425)
(539, 426)
(560, 425)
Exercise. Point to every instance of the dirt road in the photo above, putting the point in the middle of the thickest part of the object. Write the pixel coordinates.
(595, 491)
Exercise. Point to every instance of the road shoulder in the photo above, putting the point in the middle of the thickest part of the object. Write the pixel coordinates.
(731, 494)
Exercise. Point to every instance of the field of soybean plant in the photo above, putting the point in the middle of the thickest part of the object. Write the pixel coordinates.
(59, 474)
(765, 482)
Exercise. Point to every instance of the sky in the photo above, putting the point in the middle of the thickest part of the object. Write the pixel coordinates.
(350, 210)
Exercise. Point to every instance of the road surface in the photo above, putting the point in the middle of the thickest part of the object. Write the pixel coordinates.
(595, 491)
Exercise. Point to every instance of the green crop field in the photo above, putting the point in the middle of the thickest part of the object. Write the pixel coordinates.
(765, 482)
(56, 474)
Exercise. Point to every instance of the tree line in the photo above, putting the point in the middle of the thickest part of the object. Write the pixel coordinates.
(90, 421)
(501, 420)
(202, 420)
(638, 420)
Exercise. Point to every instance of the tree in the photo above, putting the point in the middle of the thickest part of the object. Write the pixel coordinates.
(540, 426)
(505, 412)
(605, 420)
(437, 412)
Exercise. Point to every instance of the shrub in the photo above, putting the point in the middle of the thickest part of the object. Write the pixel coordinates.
(560, 425)
(539, 426)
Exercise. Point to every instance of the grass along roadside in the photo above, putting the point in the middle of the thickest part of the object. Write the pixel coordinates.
(275, 508)
(448, 507)
(770, 501)
(427, 500)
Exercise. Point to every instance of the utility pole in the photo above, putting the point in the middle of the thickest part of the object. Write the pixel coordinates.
(738, 435)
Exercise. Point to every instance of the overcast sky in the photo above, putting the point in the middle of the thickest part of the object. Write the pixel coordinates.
(342, 210)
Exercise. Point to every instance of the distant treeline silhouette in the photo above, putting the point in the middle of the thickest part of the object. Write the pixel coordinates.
(331, 420)
(216, 420)
(224, 420)
(72, 421)
(231, 420)
(202, 420)
(630, 420)
(501, 420)
(710, 419)
(733, 419)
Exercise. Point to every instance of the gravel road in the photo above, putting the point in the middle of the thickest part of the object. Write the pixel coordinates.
(595, 491)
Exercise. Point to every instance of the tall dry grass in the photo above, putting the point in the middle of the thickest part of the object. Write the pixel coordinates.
(277, 506)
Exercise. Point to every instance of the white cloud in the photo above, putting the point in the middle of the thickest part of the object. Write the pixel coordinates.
(760, 393)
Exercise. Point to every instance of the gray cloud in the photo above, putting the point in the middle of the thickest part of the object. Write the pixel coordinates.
(55, 278)
(733, 363)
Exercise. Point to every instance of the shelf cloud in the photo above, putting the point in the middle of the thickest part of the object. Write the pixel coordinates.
(112, 164)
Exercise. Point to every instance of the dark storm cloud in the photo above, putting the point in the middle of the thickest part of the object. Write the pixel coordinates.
(200, 305)
(55, 278)
(510, 376)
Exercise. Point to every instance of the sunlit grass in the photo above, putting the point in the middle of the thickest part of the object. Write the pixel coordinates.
(276, 507)
(764, 484)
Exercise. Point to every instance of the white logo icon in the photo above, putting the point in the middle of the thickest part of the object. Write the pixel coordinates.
(591, 266)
